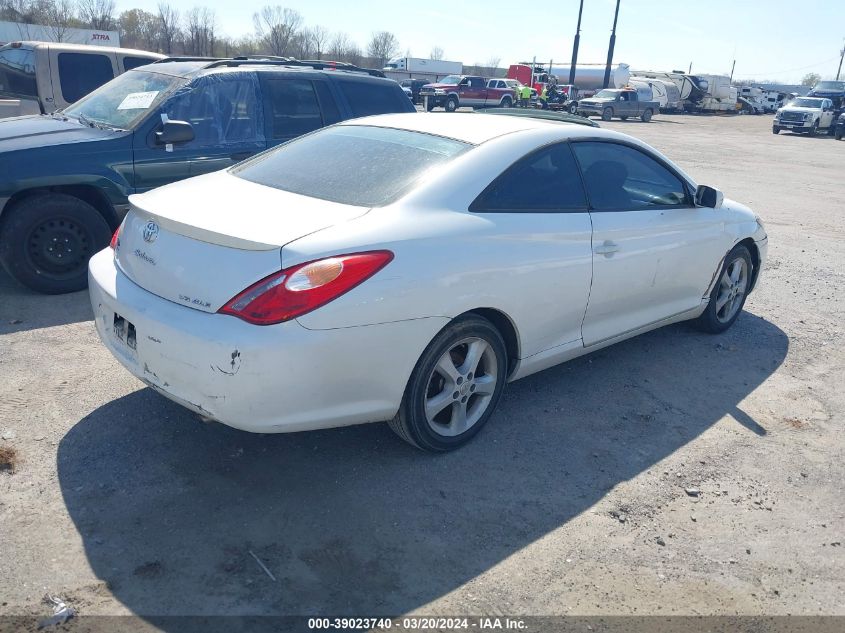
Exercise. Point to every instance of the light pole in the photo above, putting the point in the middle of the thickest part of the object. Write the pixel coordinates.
(610, 47)
(575, 46)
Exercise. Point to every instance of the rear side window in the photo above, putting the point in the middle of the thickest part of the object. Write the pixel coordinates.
(81, 73)
(544, 181)
(621, 178)
(295, 109)
(367, 98)
(351, 164)
(133, 62)
(17, 72)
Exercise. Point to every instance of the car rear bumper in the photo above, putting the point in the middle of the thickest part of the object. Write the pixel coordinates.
(269, 379)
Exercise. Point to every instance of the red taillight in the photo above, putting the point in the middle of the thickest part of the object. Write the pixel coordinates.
(295, 291)
(115, 238)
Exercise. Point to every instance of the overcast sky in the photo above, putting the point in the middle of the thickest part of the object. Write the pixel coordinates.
(771, 39)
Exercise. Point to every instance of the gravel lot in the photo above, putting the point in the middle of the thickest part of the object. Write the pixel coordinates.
(572, 501)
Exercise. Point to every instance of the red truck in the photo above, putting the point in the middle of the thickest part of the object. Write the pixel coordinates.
(458, 91)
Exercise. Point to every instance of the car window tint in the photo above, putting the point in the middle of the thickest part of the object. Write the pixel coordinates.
(81, 73)
(619, 177)
(17, 72)
(346, 163)
(327, 103)
(295, 109)
(366, 98)
(546, 180)
(133, 62)
(223, 109)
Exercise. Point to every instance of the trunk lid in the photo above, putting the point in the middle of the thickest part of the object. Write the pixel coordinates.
(201, 241)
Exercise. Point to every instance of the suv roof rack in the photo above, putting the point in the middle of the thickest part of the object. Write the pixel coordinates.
(273, 60)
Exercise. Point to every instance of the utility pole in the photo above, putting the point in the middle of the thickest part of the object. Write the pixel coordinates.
(575, 45)
(732, 72)
(841, 57)
(610, 47)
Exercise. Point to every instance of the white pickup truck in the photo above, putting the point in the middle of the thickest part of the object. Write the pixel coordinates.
(41, 77)
(806, 115)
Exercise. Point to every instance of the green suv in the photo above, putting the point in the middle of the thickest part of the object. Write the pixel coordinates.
(65, 177)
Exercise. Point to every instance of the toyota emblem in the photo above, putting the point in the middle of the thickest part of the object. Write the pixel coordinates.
(150, 232)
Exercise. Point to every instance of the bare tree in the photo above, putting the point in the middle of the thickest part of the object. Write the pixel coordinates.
(60, 16)
(24, 11)
(200, 22)
(98, 14)
(277, 26)
(168, 18)
(383, 45)
(493, 66)
(139, 29)
(811, 79)
(320, 40)
(436, 53)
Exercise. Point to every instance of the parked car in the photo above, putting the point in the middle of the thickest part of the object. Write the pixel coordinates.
(41, 77)
(839, 132)
(459, 91)
(414, 85)
(622, 103)
(345, 291)
(65, 178)
(805, 115)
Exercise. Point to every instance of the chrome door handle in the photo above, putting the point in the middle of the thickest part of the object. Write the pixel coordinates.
(607, 248)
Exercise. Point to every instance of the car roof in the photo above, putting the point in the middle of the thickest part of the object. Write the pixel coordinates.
(82, 48)
(474, 129)
(191, 67)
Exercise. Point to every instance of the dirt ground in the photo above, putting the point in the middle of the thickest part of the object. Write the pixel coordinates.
(572, 501)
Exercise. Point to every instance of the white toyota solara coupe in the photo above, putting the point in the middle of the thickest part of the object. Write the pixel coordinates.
(405, 267)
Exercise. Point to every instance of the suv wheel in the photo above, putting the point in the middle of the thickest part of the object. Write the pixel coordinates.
(451, 104)
(813, 130)
(607, 114)
(47, 240)
(645, 117)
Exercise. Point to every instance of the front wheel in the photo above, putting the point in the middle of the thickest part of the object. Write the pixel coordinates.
(728, 296)
(47, 240)
(607, 114)
(573, 107)
(814, 129)
(451, 104)
(645, 117)
(507, 102)
(775, 130)
(454, 387)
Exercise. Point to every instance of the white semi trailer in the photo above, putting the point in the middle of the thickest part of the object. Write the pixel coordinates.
(417, 68)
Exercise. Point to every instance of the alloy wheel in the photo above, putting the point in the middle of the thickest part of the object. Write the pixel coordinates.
(732, 288)
(461, 387)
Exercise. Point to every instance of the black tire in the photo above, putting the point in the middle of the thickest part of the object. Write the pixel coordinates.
(813, 130)
(451, 104)
(47, 240)
(507, 102)
(411, 422)
(573, 107)
(710, 320)
(775, 130)
(607, 114)
(645, 117)
(838, 136)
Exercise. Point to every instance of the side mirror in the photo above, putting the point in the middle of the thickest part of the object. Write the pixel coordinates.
(708, 197)
(172, 132)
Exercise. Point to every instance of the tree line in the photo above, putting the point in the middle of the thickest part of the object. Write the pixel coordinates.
(277, 31)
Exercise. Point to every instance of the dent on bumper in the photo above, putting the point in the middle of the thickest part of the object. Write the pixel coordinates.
(269, 379)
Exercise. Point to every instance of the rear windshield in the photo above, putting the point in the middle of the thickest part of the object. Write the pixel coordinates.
(351, 164)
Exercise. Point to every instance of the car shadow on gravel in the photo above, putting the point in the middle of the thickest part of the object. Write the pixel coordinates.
(354, 522)
(22, 309)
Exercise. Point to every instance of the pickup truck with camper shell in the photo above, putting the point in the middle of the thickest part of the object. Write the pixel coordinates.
(806, 115)
(459, 91)
(65, 177)
(42, 77)
(615, 102)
